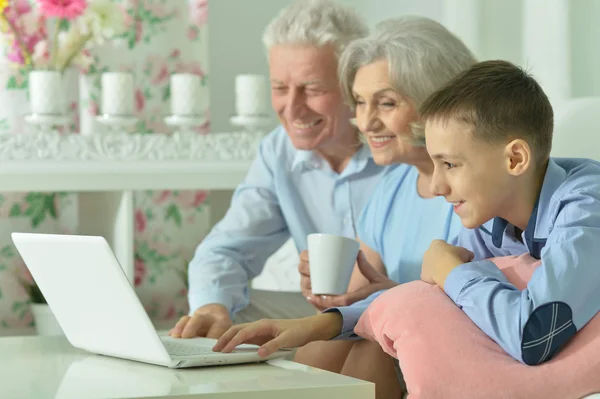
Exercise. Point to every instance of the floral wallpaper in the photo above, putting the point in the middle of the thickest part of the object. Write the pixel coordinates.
(162, 37)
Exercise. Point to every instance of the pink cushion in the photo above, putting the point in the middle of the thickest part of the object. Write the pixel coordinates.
(443, 354)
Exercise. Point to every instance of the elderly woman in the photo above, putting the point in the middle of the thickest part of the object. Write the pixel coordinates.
(385, 77)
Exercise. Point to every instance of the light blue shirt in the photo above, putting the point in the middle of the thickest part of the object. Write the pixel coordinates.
(287, 192)
(399, 225)
(564, 291)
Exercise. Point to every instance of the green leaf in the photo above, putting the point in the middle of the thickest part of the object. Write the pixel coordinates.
(148, 94)
(37, 220)
(50, 205)
(166, 93)
(64, 24)
(16, 306)
(12, 83)
(4, 125)
(7, 252)
(15, 211)
(173, 213)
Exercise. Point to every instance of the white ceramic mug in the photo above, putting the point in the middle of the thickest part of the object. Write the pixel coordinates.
(331, 261)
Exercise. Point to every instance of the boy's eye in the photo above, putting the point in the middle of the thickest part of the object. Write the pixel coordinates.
(449, 165)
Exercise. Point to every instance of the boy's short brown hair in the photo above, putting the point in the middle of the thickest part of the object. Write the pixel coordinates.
(501, 101)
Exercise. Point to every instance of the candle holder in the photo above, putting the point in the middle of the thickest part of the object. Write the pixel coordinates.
(44, 123)
(117, 124)
(185, 124)
(253, 123)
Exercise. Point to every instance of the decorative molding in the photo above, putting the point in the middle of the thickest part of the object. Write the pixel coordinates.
(51, 146)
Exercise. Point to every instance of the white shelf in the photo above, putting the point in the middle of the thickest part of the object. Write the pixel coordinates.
(50, 162)
(120, 176)
(107, 168)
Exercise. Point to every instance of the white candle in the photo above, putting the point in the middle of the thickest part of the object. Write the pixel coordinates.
(45, 93)
(252, 95)
(117, 93)
(186, 95)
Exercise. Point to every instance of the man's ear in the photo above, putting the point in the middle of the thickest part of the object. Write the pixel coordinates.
(519, 158)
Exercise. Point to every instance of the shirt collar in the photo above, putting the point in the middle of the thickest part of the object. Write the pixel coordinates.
(304, 159)
(539, 224)
(309, 159)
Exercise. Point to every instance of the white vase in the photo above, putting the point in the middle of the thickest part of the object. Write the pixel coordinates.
(46, 93)
(45, 322)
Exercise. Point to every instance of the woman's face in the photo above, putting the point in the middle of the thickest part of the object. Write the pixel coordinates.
(383, 116)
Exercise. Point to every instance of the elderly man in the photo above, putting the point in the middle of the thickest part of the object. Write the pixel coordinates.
(312, 174)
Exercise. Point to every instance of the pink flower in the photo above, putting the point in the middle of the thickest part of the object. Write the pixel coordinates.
(199, 12)
(21, 6)
(138, 30)
(139, 100)
(16, 55)
(162, 77)
(64, 9)
(199, 198)
(93, 108)
(175, 53)
(192, 33)
(170, 314)
(189, 67)
(140, 271)
(156, 10)
(162, 197)
(140, 221)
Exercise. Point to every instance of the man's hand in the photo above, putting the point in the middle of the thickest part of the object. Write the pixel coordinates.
(440, 259)
(209, 321)
(273, 335)
(376, 282)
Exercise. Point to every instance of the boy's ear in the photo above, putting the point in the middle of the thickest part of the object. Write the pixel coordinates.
(518, 157)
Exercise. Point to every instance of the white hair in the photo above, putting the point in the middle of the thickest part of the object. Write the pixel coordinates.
(315, 22)
(422, 56)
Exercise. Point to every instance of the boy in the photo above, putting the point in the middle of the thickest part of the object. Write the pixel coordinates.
(489, 133)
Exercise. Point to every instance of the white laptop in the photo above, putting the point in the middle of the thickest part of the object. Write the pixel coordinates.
(99, 311)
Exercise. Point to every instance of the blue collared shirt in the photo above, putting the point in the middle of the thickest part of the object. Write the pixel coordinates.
(287, 192)
(399, 225)
(563, 293)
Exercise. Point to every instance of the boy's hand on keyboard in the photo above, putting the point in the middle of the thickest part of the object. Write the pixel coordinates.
(273, 335)
(209, 321)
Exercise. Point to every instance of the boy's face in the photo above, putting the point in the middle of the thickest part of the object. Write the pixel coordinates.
(468, 172)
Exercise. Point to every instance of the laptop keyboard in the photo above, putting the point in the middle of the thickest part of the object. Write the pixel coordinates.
(177, 349)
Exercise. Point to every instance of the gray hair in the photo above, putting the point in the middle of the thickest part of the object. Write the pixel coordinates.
(315, 22)
(422, 56)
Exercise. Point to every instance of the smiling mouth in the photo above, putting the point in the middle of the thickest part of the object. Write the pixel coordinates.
(457, 204)
(298, 125)
(381, 139)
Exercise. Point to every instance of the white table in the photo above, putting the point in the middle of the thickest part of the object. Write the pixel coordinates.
(105, 170)
(49, 367)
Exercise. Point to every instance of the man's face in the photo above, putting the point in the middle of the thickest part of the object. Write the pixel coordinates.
(306, 95)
